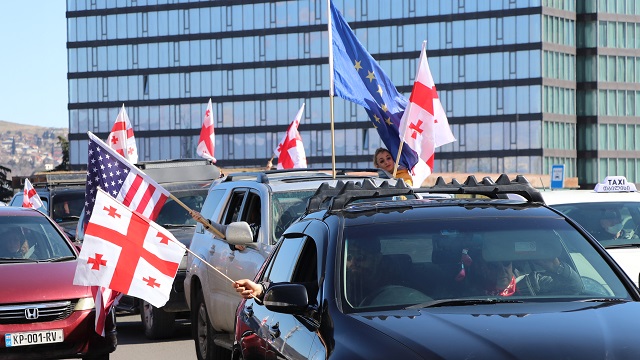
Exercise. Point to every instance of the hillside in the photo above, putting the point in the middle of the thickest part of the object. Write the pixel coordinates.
(26, 149)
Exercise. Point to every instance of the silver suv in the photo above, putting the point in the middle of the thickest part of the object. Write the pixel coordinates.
(269, 202)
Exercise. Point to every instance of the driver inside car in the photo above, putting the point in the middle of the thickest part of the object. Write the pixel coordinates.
(501, 273)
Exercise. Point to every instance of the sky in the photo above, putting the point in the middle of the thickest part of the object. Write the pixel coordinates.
(33, 62)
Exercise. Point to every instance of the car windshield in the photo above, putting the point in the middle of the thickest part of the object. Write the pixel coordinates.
(286, 208)
(458, 261)
(611, 223)
(30, 238)
(173, 213)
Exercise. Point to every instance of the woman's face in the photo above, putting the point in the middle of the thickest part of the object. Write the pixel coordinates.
(384, 161)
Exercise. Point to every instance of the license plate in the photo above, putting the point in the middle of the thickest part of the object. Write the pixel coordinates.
(33, 338)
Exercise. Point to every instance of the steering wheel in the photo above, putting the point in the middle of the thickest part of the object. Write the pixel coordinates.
(394, 295)
(593, 287)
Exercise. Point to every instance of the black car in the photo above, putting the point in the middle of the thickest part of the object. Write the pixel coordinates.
(477, 276)
(62, 195)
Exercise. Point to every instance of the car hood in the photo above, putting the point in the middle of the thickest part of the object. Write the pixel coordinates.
(574, 330)
(627, 258)
(36, 282)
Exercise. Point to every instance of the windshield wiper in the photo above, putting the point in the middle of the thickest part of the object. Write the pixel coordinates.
(61, 258)
(462, 302)
(615, 300)
(17, 260)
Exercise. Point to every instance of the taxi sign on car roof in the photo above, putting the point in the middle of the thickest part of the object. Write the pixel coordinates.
(615, 184)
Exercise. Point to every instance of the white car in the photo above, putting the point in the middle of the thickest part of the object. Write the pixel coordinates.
(591, 208)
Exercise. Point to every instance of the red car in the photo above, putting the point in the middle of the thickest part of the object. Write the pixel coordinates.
(42, 314)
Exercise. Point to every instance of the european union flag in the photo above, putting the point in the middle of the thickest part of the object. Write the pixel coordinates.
(359, 78)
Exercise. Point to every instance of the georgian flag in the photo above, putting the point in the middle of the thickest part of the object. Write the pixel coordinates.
(207, 141)
(290, 150)
(121, 137)
(424, 125)
(128, 253)
(30, 198)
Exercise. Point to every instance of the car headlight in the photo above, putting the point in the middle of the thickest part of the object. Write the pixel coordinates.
(86, 303)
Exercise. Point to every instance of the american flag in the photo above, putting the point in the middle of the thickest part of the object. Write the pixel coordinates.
(109, 171)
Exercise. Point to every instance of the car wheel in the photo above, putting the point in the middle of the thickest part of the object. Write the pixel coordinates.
(203, 333)
(158, 324)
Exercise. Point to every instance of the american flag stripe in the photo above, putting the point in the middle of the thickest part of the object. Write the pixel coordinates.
(141, 196)
(156, 210)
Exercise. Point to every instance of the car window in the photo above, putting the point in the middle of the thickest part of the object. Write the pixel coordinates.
(38, 239)
(286, 207)
(409, 262)
(210, 204)
(173, 213)
(284, 261)
(593, 217)
(235, 207)
(67, 206)
(17, 201)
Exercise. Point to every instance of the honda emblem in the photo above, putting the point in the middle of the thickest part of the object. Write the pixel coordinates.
(31, 313)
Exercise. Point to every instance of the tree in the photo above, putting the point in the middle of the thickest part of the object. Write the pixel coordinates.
(64, 144)
(6, 191)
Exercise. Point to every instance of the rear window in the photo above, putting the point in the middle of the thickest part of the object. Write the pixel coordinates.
(17, 201)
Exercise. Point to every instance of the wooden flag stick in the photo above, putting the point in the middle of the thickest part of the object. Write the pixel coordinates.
(395, 166)
(209, 265)
(207, 225)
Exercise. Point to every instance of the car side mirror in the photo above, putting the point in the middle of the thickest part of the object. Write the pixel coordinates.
(286, 298)
(239, 233)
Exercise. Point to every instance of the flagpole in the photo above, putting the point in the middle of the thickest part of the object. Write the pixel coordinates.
(270, 162)
(206, 263)
(395, 166)
(331, 90)
(208, 226)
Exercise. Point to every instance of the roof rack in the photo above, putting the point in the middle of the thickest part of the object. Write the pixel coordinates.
(487, 187)
(51, 179)
(290, 174)
(335, 198)
(346, 192)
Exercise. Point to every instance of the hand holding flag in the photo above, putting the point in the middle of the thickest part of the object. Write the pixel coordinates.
(30, 198)
(290, 150)
(121, 138)
(207, 141)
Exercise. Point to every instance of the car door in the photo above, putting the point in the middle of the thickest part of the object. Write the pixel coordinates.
(217, 255)
(242, 263)
(289, 336)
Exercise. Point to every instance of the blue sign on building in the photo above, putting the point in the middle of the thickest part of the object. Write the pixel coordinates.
(557, 176)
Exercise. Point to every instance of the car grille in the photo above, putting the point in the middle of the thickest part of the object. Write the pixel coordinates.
(35, 312)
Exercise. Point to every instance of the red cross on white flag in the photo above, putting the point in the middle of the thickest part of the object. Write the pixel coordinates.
(290, 150)
(424, 125)
(121, 137)
(207, 142)
(128, 253)
(30, 198)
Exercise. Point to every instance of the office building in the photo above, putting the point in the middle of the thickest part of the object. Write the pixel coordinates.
(526, 83)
